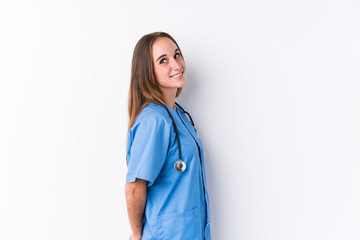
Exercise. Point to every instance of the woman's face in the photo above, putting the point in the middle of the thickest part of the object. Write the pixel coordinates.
(169, 66)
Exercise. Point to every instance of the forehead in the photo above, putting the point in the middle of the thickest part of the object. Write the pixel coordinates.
(163, 45)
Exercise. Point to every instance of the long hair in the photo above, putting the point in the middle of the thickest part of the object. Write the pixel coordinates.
(144, 88)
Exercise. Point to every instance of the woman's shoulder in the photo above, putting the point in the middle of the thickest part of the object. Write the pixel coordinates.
(153, 113)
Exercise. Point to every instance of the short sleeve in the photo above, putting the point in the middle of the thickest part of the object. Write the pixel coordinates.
(148, 143)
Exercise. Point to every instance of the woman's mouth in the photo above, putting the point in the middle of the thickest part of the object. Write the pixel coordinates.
(177, 75)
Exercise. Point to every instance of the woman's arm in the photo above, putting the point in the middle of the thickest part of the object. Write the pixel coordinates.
(135, 193)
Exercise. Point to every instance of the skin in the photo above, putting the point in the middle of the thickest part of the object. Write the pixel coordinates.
(168, 62)
(135, 194)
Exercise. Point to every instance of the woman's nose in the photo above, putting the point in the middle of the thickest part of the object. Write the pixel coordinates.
(175, 64)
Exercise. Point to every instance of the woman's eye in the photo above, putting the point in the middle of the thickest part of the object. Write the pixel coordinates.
(162, 60)
(177, 55)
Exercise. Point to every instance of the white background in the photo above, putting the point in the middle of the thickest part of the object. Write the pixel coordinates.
(273, 87)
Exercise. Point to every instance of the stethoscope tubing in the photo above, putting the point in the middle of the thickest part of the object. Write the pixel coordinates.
(179, 165)
(176, 130)
(188, 114)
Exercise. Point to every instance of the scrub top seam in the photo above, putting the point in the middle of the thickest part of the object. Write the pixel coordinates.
(200, 157)
(201, 166)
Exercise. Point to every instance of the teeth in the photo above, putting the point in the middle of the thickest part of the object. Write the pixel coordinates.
(178, 75)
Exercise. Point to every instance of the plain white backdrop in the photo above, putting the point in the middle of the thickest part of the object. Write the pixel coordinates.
(273, 87)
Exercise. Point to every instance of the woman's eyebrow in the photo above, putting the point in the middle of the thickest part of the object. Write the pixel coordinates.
(165, 55)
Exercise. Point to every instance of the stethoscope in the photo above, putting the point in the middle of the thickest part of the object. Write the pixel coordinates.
(179, 165)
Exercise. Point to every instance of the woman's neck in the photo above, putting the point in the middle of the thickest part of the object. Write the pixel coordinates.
(169, 97)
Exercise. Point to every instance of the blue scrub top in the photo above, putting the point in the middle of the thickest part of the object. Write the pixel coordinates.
(177, 205)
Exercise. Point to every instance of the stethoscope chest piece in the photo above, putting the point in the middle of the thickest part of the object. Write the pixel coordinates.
(180, 165)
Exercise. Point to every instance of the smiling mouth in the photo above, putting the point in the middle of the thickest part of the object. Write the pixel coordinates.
(177, 75)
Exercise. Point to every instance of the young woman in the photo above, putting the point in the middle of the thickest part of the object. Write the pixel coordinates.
(165, 188)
